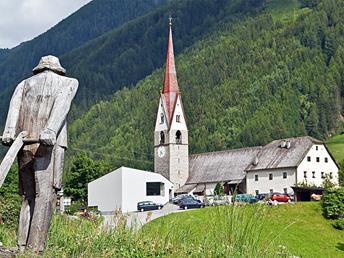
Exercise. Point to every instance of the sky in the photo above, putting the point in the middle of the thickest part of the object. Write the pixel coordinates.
(22, 20)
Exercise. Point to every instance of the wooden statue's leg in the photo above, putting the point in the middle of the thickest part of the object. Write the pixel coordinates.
(24, 224)
(27, 190)
(45, 199)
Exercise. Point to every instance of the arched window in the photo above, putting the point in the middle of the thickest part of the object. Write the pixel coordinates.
(178, 137)
(162, 137)
(178, 118)
(161, 118)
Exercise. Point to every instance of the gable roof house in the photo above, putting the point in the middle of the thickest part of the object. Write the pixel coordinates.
(275, 167)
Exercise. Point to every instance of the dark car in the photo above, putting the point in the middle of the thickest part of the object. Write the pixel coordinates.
(188, 203)
(148, 205)
(262, 196)
(176, 199)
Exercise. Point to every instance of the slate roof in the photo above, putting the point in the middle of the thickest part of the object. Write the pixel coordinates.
(273, 156)
(220, 166)
(231, 165)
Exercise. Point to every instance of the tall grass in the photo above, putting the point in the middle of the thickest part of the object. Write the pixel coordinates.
(227, 232)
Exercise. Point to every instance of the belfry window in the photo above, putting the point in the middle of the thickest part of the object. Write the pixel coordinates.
(161, 118)
(178, 118)
(162, 137)
(178, 137)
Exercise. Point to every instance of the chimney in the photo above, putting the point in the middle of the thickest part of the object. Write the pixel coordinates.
(283, 144)
(255, 161)
(288, 145)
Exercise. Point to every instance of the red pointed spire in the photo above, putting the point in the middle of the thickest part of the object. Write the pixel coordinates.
(171, 90)
(170, 81)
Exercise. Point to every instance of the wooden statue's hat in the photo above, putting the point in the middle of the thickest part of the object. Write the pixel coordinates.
(51, 63)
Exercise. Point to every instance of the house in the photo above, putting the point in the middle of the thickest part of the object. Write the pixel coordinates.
(285, 163)
(123, 188)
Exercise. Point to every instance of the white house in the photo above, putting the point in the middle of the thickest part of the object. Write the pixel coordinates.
(123, 188)
(285, 163)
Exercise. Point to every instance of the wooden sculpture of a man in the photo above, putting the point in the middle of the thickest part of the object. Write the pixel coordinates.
(39, 106)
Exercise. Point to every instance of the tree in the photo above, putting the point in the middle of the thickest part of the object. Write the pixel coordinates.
(83, 170)
(219, 190)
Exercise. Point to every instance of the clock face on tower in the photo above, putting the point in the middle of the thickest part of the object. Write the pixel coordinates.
(161, 151)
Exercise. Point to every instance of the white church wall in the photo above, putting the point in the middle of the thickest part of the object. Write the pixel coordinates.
(313, 171)
(264, 184)
(106, 192)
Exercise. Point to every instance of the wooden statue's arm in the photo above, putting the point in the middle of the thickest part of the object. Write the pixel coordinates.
(13, 111)
(61, 107)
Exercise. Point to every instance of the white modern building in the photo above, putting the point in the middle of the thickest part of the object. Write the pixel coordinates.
(123, 188)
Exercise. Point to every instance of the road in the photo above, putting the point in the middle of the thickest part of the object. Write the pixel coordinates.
(138, 219)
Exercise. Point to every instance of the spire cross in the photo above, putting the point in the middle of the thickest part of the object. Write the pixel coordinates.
(170, 19)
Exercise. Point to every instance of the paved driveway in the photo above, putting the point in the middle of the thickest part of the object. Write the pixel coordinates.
(138, 219)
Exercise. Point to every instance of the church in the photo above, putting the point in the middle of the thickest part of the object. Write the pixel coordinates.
(276, 167)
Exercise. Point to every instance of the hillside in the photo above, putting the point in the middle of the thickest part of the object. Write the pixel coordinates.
(89, 22)
(273, 75)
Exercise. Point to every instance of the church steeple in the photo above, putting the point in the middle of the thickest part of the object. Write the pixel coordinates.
(171, 147)
(170, 89)
(170, 80)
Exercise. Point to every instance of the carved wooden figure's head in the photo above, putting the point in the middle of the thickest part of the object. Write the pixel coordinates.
(51, 63)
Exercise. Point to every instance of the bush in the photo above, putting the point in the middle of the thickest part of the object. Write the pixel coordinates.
(9, 210)
(333, 203)
(339, 224)
(74, 207)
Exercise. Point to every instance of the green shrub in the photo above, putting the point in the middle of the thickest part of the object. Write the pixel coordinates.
(339, 224)
(9, 210)
(74, 207)
(333, 203)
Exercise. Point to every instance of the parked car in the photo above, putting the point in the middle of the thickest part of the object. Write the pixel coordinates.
(189, 203)
(262, 196)
(280, 197)
(176, 199)
(215, 200)
(249, 198)
(148, 205)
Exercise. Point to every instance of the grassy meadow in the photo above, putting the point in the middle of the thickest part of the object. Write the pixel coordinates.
(240, 231)
(336, 147)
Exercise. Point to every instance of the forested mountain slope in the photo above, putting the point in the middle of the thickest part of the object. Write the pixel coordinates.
(89, 22)
(273, 75)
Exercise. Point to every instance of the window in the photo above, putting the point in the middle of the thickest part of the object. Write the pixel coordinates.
(270, 176)
(178, 137)
(316, 147)
(179, 172)
(155, 189)
(162, 137)
(285, 174)
(326, 160)
(331, 175)
(178, 118)
(257, 192)
(271, 191)
(285, 190)
(305, 174)
(322, 174)
(308, 158)
(313, 174)
(161, 118)
(318, 159)
(255, 177)
(178, 160)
